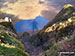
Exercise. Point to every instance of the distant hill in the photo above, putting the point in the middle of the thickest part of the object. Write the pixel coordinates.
(31, 25)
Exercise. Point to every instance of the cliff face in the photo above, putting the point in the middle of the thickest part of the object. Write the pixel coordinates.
(9, 44)
(58, 35)
(61, 17)
(62, 40)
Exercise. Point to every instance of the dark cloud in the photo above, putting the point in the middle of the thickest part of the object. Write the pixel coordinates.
(54, 6)
(61, 2)
(10, 1)
(41, 2)
(48, 14)
(2, 3)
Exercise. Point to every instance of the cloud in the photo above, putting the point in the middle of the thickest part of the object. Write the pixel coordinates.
(52, 7)
(29, 9)
(24, 9)
(50, 11)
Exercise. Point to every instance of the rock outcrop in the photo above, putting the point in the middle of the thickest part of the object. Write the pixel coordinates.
(58, 35)
(9, 41)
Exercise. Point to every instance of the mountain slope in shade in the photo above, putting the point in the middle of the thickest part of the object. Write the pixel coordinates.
(58, 35)
(31, 25)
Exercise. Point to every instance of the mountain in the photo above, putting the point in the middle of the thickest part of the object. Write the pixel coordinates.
(58, 35)
(53, 39)
(63, 15)
(31, 25)
(10, 44)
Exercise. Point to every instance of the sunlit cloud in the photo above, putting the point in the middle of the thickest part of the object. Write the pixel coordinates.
(29, 9)
(24, 9)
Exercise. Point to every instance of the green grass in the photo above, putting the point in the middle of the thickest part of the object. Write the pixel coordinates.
(17, 51)
(14, 40)
(11, 51)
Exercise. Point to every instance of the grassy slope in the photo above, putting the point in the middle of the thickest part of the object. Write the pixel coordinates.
(15, 49)
(67, 43)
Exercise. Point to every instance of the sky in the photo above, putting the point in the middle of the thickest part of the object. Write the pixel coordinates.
(29, 9)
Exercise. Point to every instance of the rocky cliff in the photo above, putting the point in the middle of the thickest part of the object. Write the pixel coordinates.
(9, 41)
(58, 35)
